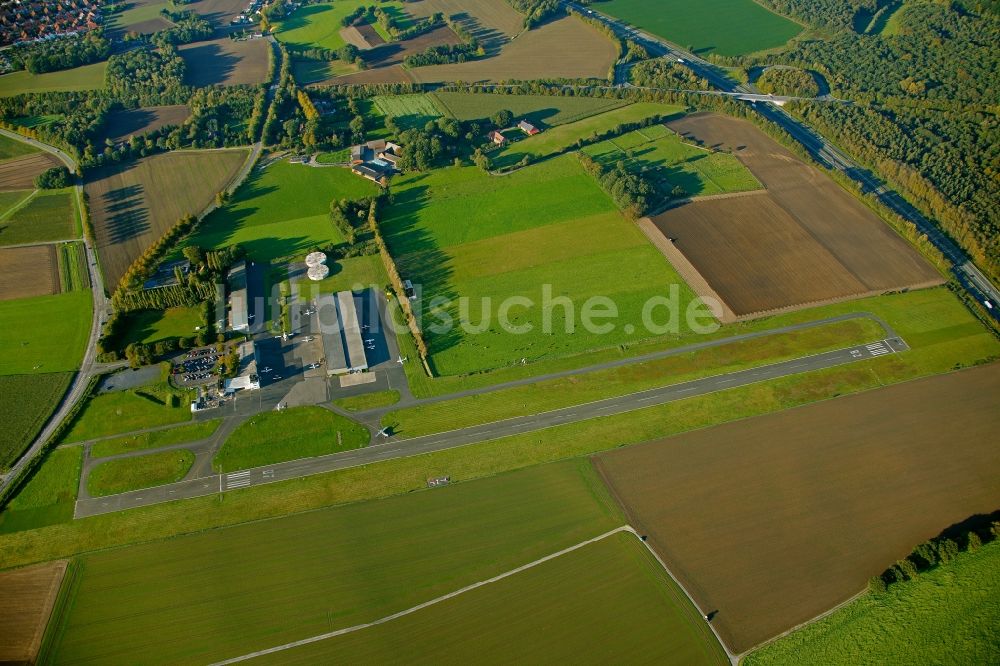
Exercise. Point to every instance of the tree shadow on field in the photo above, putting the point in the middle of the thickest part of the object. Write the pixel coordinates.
(420, 260)
(208, 65)
(126, 214)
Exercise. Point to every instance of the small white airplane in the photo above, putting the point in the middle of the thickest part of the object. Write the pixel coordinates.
(308, 338)
(313, 366)
(384, 432)
(370, 341)
(402, 359)
(266, 370)
(275, 378)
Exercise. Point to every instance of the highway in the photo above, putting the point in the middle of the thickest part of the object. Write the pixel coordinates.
(822, 150)
(386, 449)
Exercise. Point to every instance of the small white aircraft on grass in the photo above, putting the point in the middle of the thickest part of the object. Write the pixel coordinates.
(384, 432)
(402, 359)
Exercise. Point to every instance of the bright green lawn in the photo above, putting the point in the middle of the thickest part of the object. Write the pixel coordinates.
(267, 583)
(137, 472)
(726, 27)
(88, 77)
(49, 496)
(301, 432)
(609, 602)
(154, 439)
(948, 615)
(564, 137)
(47, 217)
(44, 333)
(460, 233)
(319, 25)
(335, 157)
(151, 326)
(282, 210)
(37, 121)
(127, 411)
(579, 389)
(137, 12)
(315, 71)
(942, 332)
(408, 110)
(541, 110)
(28, 401)
(9, 199)
(11, 148)
(360, 403)
(350, 274)
(670, 162)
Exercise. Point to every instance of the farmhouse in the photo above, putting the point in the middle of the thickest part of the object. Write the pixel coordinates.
(528, 128)
(498, 138)
(239, 312)
(342, 342)
(375, 160)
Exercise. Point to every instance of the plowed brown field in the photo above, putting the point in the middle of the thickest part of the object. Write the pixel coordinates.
(19, 173)
(773, 520)
(28, 271)
(26, 599)
(806, 240)
(224, 62)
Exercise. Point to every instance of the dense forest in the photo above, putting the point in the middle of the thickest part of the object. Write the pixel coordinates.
(924, 110)
(62, 53)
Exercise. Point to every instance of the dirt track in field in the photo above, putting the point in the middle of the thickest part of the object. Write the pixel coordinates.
(225, 62)
(773, 520)
(26, 600)
(19, 173)
(28, 271)
(805, 241)
(123, 124)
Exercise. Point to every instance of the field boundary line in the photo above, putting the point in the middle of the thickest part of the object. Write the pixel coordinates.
(432, 602)
(19, 205)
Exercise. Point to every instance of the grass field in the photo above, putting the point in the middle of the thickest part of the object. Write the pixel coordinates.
(939, 328)
(579, 389)
(49, 496)
(141, 17)
(319, 25)
(267, 583)
(28, 598)
(133, 203)
(10, 148)
(550, 224)
(564, 137)
(45, 333)
(301, 432)
(360, 403)
(10, 199)
(47, 217)
(609, 601)
(869, 477)
(73, 274)
(948, 615)
(150, 326)
(306, 72)
(154, 439)
(726, 27)
(37, 121)
(28, 402)
(408, 110)
(669, 162)
(137, 472)
(127, 411)
(88, 77)
(540, 110)
(282, 210)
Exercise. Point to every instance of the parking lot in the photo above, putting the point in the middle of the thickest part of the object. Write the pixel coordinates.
(196, 368)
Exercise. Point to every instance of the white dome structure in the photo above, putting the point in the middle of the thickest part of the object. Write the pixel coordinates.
(315, 259)
(318, 272)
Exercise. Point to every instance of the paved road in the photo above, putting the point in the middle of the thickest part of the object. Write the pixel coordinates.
(385, 450)
(100, 304)
(825, 152)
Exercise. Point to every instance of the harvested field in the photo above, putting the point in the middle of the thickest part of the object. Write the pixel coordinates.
(352, 35)
(773, 520)
(19, 173)
(132, 204)
(121, 125)
(492, 23)
(394, 53)
(224, 62)
(219, 12)
(806, 240)
(28, 271)
(26, 600)
(391, 74)
(368, 35)
(564, 48)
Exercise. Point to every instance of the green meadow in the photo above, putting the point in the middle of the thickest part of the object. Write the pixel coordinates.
(282, 210)
(48, 216)
(726, 27)
(541, 110)
(543, 233)
(28, 401)
(150, 326)
(48, 497)
(154, 439)
(87, 77)
(948, 615)
(669, 162)
(320, 24)
(121, 475)
(564, 137)
(44, 333)
(408, 110)
(11, 148)
(609, 601)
